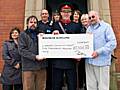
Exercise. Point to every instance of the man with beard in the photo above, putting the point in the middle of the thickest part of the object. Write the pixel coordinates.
(33, 66)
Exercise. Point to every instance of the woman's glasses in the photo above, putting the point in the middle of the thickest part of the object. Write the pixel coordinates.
(33, 22)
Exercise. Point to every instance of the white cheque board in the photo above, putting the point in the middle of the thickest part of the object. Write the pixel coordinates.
(65, 45)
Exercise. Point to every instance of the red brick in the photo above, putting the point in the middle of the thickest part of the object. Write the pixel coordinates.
(11, 14)
(115, 9)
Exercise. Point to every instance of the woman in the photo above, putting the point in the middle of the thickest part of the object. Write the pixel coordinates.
(76, 16)
(56, 16)
(85, 20)
(81, 67)
(76, 19)
(12, 75)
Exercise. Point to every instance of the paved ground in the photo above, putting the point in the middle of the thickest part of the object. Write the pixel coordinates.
(65, 88)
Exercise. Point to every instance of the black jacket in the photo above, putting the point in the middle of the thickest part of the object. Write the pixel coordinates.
(28, 49)
(45, 27)
(65, 63)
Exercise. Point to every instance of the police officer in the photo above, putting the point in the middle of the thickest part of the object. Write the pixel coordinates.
(64, 66)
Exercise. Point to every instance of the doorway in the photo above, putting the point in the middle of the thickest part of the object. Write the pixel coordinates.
(53, 5)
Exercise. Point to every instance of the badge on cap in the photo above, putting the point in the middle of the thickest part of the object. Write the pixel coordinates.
(66, 8)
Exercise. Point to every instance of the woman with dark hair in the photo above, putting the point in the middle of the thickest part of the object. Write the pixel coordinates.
(81, 64)
(76, 20)
(56, 16)
(11, 77)
(76, 16)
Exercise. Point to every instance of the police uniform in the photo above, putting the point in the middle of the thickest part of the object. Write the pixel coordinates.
(64, 66)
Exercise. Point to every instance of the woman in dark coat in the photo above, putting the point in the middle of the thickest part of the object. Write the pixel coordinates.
(11, 77)
(81, 64)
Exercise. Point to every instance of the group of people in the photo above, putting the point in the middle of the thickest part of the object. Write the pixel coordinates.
(25, 70)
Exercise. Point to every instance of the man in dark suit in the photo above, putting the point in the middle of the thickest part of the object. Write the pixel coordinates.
(45, 26)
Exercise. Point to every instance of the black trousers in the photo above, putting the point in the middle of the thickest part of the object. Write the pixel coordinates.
(49, 76)
(13, 87)
(58, 77)
(81, 74)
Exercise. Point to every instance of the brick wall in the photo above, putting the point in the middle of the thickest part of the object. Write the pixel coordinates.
(115, 17)
(11, 14)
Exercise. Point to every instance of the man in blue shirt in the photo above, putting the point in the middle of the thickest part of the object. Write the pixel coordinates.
(104, 42)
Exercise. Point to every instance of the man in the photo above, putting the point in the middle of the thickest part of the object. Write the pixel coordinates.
(45, 26)
(33, 66)
(98, 67)
(64, 66)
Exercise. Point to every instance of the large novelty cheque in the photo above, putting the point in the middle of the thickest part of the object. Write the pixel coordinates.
(65, 45)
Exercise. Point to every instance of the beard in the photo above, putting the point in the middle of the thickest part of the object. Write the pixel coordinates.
(33, 27)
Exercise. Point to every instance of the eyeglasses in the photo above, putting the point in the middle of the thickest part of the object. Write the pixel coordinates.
(91, 17)
(33, 22)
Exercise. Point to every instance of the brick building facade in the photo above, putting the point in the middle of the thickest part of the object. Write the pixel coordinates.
(14, 12)
(115, 18)
(11, 15)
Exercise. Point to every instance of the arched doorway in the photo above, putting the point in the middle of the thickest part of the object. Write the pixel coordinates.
(53, 5)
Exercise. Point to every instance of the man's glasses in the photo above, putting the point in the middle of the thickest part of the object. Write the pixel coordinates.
(91, 17)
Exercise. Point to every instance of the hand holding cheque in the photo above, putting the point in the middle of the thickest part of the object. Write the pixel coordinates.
(66, 45)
